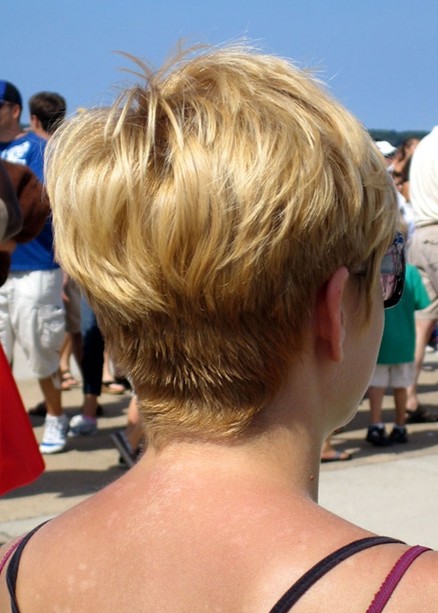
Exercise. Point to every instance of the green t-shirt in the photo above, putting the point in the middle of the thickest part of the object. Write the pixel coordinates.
(398, 341)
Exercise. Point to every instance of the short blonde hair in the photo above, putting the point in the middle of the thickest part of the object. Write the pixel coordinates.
(201, 213)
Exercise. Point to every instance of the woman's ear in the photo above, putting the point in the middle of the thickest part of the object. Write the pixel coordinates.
(330, 324)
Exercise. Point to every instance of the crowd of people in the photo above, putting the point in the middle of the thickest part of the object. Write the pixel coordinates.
(40, 306)
(408, 326)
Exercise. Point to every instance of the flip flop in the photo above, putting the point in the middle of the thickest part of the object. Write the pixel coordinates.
(336, 456)
(112, 387)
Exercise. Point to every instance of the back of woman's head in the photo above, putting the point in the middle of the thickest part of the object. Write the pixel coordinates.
(202, 213)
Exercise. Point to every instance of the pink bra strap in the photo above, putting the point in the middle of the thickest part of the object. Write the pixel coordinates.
(393, 578)
(9, 552)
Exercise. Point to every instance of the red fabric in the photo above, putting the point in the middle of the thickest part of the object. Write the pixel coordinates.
(20, 459)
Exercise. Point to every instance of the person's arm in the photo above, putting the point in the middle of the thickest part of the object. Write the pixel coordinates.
(33, 201)
(34, 206)
(11, 220)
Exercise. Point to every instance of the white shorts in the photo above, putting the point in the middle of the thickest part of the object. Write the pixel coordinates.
(32, 314)
(393, 375)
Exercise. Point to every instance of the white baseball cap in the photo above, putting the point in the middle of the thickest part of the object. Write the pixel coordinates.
(385, 148)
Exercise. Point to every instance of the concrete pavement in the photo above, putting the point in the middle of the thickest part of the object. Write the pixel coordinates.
(392, 491)
(88, 465)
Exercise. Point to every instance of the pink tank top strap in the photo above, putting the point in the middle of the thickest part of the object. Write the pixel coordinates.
(394, 577)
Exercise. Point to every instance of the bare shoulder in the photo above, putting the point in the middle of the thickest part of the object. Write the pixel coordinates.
(72, 547)
(56, 547)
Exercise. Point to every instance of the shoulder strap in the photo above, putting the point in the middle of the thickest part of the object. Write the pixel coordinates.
(394, 577)
(299, 588)
(12, 571)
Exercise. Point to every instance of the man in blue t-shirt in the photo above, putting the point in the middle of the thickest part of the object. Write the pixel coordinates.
(31, 308)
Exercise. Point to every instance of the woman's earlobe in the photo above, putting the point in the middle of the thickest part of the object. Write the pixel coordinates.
(330, 313)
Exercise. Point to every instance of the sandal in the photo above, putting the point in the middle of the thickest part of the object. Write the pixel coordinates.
(420, 416)
(68, 381)
(336, 456)
(112, 387)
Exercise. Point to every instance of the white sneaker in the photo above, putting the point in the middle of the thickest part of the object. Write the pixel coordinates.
(81, 425)
(55, 434)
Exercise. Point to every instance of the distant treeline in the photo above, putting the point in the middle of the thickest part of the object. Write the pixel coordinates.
(394, 137)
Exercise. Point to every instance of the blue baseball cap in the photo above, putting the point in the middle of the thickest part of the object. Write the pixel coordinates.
(9, 93)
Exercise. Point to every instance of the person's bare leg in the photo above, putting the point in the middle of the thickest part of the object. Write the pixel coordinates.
(109, 384)
(423, 330)
(66, 351)
(375, 397)
(67, 379)
(399, 432)
(400, 399)
(51, 389)
(134, 430)
(72, 345)
(376, 434)
(89, 407)
(107, 375)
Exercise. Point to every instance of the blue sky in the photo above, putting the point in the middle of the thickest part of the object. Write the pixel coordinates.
(379, 57)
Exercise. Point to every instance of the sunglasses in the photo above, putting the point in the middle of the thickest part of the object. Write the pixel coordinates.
(392, 272)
